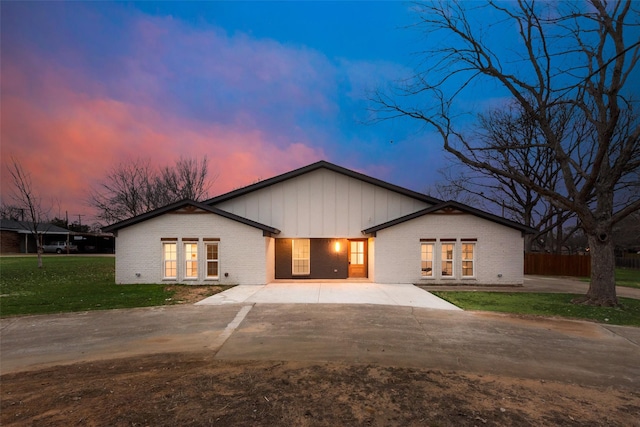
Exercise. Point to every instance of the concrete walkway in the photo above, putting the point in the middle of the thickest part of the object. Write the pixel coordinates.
(330, 293)
(545, 284)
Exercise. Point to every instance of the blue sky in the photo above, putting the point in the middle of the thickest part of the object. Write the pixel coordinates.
(259, 87)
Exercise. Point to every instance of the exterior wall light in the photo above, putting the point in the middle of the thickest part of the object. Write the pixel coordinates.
(337, 246)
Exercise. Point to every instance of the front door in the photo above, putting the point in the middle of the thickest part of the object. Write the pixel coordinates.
(357, 258)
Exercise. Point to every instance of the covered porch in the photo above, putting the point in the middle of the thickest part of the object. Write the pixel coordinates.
(326, 259)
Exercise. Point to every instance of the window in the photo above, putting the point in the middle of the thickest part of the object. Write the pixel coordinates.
(170, 260)
(447, 259)
(468, 251)
(191, 260)
(356, 254)
(427, 259)
(300, 252)
(212, 260)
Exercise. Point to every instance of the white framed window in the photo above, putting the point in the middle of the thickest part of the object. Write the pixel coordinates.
(213, 262)
(426, 257)
(300, 257)
(191, 260)
(468, 259)
(447, 264)
(169, 260)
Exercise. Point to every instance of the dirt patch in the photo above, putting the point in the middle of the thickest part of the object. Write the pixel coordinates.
(196, 389)
(577, 328)
(189, 294)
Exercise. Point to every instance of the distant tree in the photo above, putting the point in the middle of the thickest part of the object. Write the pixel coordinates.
(74, 226)
(59, 222)
(135, 187)
(187, 179)
(626, 233)
(510, 137)
(8, 211)
(33, 215)
(570, 58)
(576, 242)
(128, 190)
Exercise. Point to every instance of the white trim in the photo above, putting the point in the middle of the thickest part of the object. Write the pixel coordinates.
(165, 260)
(472, 260)
(207, 260)
(452, 260)
(190, 261)
(300, 256)
(432, 260)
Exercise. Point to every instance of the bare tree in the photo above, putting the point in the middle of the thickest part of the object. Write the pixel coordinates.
(510, 137)
(627, 234)
(127, 191)
(576, 59)
(33, 215)
(187, 179)
(8, 211)
(135, 187)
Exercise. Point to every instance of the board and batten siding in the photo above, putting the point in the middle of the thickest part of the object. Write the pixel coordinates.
(322, 203)
(499, 250)
(244, 253)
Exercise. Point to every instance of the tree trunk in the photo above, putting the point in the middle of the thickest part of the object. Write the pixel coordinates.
(39, 249)
(602, 290)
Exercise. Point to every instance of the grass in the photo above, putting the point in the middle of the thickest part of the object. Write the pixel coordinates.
(74, 283)
(628, 277)
(69, 283)
(543, 304)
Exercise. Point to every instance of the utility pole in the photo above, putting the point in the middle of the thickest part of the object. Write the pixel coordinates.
(80, 221)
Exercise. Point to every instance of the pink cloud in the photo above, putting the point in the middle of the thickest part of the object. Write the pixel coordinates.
(68, 133)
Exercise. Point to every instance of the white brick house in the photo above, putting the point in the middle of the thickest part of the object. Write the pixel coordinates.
(319, 222)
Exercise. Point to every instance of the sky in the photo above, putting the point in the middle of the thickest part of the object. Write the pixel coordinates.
(260, 88)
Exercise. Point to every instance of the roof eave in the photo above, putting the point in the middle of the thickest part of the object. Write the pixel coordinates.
(177, 205)
(456, 205)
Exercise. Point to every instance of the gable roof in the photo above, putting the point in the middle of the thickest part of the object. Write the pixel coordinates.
(184, 203)
(207, 205)
(451, 205)
(315, 166)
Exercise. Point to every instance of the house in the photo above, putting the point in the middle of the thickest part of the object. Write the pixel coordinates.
(323, 222)
(17, 236)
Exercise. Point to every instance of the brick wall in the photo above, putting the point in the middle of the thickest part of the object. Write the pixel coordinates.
(498, 257)
(9, 242)
(242, 249)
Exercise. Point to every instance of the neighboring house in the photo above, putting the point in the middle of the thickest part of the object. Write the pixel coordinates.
(17, 236)
(321, 221)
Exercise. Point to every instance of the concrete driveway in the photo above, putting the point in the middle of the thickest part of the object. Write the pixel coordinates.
(333, 292)
(544, 349)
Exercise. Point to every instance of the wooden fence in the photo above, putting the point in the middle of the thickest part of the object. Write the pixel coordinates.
(557, 265)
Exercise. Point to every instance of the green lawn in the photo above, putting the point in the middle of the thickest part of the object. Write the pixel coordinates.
(69, 283)
(75, 283)
(628, 277)
(543, 304)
